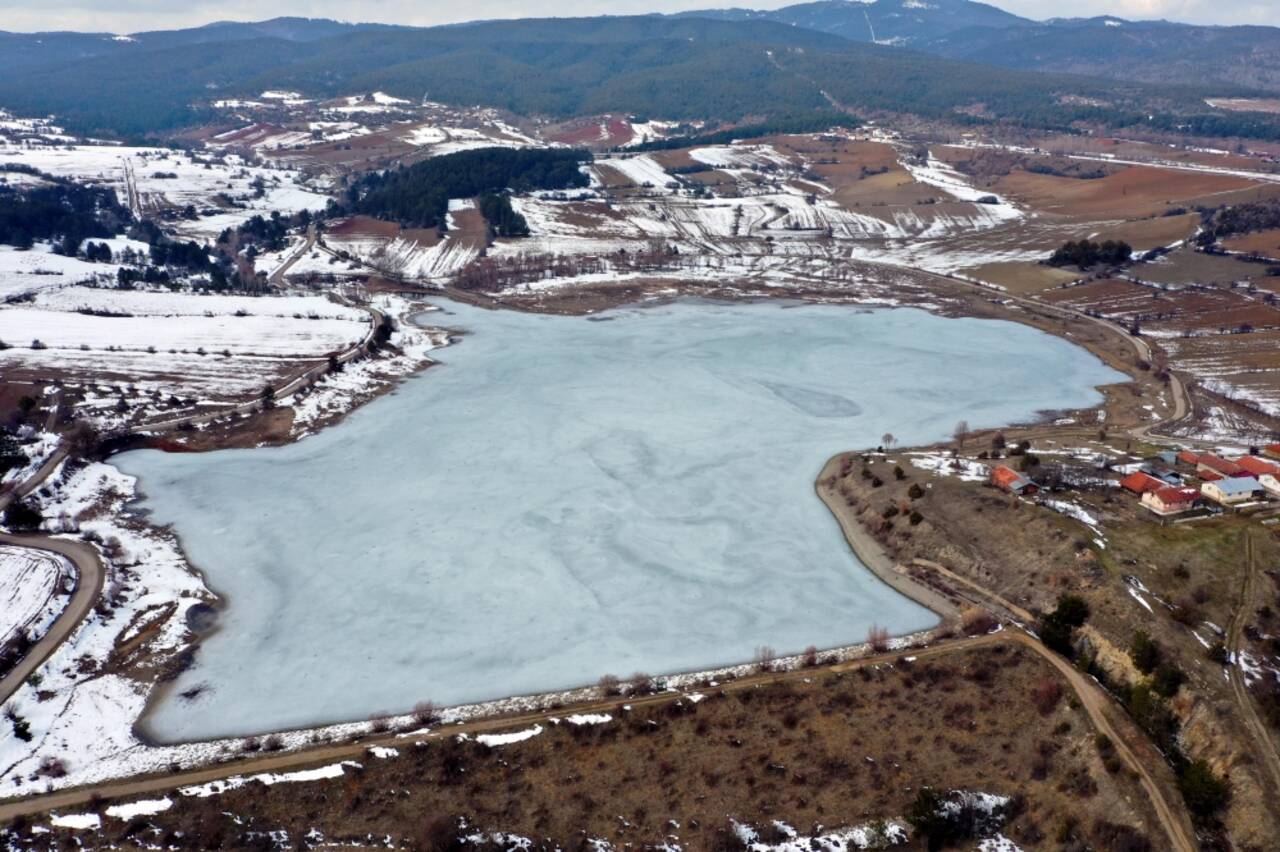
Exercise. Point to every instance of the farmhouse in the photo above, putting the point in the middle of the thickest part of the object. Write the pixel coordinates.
(1231, 491)
(1254, 466)
(1008, 479)
(1141, 482)
(1171, 501)
(1209, 463)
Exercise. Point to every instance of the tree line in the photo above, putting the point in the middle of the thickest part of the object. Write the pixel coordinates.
(417, 196)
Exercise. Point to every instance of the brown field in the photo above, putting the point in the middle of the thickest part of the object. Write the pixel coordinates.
(1022, 278)
(841, 750)
(1185, 266)
(1136, 192)
(1266, 243)
(1145, 234)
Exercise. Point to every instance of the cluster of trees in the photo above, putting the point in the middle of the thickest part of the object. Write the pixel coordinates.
(490, 274)
(503, 220)
(267, 233)
(1222, 222)
(418, 195)
(61, 212)
(1086, 254)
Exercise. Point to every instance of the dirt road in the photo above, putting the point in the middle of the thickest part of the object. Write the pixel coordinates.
(89, 580)
(1240, 688)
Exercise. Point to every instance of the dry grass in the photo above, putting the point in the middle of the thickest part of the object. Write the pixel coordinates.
(841, 750)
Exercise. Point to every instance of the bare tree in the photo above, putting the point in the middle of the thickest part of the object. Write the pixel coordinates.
(765, 658)
(878, 638)
(609, 685)
(887, 440)
(961, 432)
(425, 713)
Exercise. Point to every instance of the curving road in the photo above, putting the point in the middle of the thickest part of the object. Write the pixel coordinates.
(89, 580)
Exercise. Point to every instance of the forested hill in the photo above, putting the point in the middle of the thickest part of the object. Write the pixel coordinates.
(418, 195)
(661, 67)
(1147, 51)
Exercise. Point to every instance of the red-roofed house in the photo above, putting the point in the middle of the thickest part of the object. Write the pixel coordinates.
(1170, 500)
(1271, 451)
(1209, 463)
(1008, 479)
(1255, 467)
(1188, 457)
(1140, 483)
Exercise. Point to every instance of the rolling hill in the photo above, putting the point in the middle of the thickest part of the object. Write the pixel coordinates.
(1145, 51)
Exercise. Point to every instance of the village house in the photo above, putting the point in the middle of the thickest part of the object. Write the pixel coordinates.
(1270, 483)
(1231, 490)
(1171, 501)
(1218, 466)
(1256, 467)
(1189, 458)
(1271, 451)
(1007, 479)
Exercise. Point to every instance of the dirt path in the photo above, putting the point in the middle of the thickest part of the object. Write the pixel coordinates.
(1240, 689)
(89, 580)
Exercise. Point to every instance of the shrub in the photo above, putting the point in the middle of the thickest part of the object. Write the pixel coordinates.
(915, 492)
(22, 516)
(1218, 653)
(976, 620)
(1203, 791)
(1045, 695)
(878, 638)
(610, 685)
(899, 473)
(1168, 677)
(916, 518)
(1144, 652)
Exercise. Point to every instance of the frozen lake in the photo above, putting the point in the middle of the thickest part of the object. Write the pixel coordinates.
(565, 498)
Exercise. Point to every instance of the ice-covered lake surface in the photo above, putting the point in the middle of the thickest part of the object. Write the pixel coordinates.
(566, 497)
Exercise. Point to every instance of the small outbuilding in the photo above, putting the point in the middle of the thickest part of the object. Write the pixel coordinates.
(1231, 491)
(1007, 479)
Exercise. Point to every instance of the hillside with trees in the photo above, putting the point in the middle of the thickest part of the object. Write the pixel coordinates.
(418, 195)
(682, 69)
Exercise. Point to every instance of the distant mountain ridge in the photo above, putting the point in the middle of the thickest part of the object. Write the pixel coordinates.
(1107, 46)
(716, 68)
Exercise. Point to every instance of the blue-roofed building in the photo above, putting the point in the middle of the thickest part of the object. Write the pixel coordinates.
(1231, 491)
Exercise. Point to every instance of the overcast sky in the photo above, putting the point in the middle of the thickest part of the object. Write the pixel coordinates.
(123, 16)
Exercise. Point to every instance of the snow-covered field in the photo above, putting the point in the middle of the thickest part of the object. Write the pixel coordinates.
(157, 178)
(38, 268)
(147, 348)
(34, 588)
